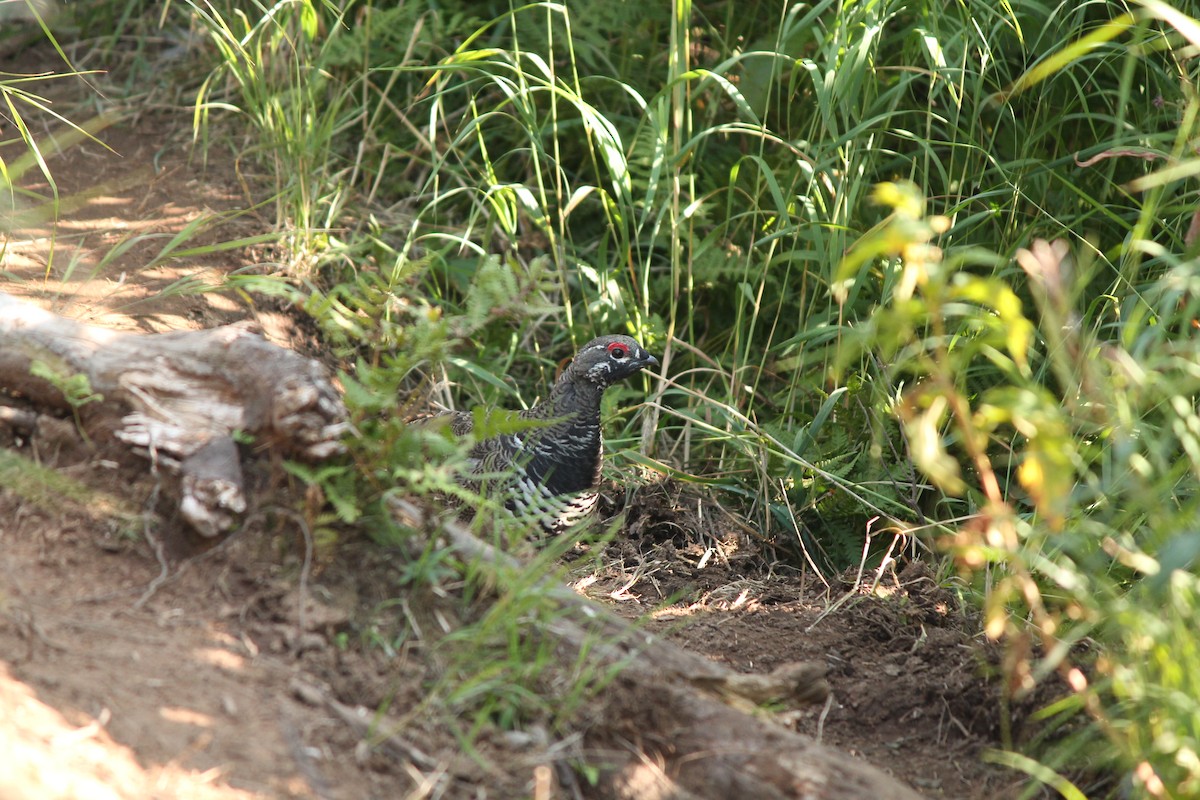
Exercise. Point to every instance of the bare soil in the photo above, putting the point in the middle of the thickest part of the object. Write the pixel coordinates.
(244, 671)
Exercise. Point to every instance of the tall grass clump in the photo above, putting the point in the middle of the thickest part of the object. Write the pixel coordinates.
(1049, 394)
(268, 69)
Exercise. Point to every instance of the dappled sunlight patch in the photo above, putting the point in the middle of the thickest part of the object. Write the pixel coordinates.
(76, 251)
(678, 612)
(647, 780)
(186, 716)
(48, 758)
(221, 658)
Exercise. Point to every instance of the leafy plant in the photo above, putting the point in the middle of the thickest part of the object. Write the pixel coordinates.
(76, 388)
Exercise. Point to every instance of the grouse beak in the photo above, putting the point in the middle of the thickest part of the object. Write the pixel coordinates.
(648, 361)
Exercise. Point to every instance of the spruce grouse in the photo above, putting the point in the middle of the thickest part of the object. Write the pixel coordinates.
(549, 472)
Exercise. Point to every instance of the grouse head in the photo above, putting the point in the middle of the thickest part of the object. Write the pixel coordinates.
(605, 360)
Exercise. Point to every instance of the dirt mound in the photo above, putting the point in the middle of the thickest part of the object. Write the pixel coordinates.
(913, 680)
(260, 670)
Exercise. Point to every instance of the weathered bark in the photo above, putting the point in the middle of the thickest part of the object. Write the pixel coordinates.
(690, 726)
(176, 398)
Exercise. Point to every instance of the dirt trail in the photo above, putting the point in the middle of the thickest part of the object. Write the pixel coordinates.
(214, 685)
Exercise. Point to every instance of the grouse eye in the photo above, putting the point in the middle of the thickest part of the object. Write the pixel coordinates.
(617, 351)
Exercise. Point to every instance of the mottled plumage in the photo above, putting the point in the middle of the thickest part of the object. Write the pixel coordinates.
(557, 462)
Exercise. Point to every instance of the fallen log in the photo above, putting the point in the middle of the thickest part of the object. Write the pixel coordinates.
(179, 399)
(691, 727)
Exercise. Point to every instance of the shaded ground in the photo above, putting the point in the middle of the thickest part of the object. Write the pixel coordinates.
(906, 666)
(243, 672)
